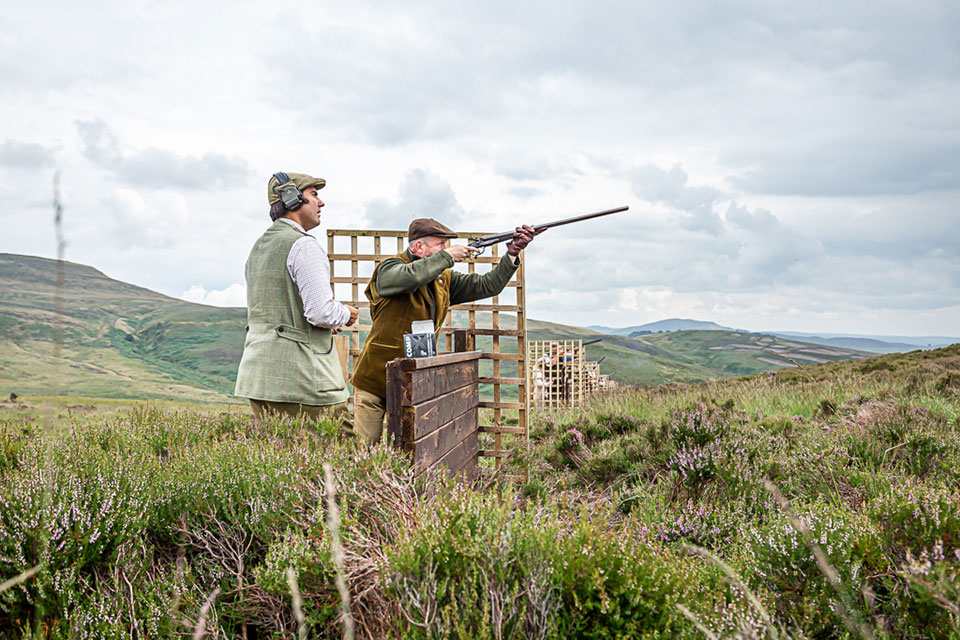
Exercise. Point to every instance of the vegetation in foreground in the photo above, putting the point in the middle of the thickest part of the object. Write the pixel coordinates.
(819, 502)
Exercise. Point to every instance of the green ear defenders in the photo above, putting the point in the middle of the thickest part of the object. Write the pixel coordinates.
(290, 194)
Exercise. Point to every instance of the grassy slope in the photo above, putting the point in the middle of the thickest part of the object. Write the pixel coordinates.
(123, 341)
(119, 340)
(690, 356)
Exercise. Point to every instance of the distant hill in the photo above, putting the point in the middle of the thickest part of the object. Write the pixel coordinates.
(671, 324)
(124, 341)
(876, 343)
(119, 340)
(845, 342)
(870, 343)
(691, 356)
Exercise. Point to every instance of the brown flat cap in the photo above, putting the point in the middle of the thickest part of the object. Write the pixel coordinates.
(423, 227)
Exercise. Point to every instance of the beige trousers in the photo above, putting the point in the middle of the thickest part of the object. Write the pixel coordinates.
(368, 413)
(337, 411)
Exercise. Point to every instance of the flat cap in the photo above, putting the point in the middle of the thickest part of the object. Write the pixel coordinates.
(302, 180)
(423, 227)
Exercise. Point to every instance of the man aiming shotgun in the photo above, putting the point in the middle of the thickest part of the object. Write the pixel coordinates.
(420, 284)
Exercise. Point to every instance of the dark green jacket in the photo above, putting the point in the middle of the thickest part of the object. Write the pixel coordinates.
(403, 289)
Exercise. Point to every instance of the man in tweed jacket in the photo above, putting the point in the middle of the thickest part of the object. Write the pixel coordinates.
(289, 362)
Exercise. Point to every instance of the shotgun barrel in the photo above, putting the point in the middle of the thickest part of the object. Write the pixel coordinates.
(495, 238)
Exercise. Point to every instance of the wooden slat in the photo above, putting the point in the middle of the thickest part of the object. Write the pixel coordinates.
(366, 279)
(424, 384)
(501, 405)
(501, 356)
(507, 381)
(501, 429)
(486, 307)
(418, 421)
(485, 332)
(470, 470)
(342, 343)
(366, 233)
(371, 257)
(394, 410)
(460, 455)
(412, 364)
(433, 446)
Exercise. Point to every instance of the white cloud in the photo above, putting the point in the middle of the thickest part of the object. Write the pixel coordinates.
(160, 222)
(779, 162)
(422, 195)
(233, 296)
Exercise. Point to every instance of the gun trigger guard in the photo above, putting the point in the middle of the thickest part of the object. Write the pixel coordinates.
(480, 253)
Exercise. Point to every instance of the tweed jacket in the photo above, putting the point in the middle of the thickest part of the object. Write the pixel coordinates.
(393, 314)
(285, 358)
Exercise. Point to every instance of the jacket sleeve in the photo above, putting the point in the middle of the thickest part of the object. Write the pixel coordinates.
(395, 277)
(467, 287)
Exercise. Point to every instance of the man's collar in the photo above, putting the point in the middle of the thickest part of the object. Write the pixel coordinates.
(294, 224)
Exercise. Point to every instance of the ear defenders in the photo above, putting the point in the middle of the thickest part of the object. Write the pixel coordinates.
(290, 194)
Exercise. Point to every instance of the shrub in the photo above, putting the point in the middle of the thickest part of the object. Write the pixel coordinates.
(480, 567)
(780, 559)
(913, 517)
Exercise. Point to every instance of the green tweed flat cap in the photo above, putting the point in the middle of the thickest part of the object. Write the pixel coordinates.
(302, 181)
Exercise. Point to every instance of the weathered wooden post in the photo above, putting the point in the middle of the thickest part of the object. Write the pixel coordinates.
(432, 410)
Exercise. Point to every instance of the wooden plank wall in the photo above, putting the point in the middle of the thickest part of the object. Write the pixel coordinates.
(497, 326)
(433, 409)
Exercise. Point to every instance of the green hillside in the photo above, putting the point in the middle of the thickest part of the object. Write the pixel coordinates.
(119, 340)
(690, 356)
(123, 341)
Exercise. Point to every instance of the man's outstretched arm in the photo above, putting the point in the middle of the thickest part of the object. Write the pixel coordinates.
(395, 277)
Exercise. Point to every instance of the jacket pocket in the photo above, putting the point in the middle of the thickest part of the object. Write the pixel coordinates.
(292, 333)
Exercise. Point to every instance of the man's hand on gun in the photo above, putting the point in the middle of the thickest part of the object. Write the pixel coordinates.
(521, 238)
(460, 252)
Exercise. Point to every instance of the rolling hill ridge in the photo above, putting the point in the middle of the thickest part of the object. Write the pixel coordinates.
(118, 340)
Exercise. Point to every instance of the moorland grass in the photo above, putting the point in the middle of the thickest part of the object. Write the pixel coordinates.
(812, 503)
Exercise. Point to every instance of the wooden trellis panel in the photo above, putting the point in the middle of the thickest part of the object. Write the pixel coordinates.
(497, 326)
(591, 377)
(606, 384)
(556, 373)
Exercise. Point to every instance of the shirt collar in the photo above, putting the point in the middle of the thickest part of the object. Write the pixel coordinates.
(293, 224)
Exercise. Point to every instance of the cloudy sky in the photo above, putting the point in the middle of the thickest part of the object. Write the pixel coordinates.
(788, 166)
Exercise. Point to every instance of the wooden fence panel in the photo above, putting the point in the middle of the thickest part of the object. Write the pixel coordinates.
(432, 410)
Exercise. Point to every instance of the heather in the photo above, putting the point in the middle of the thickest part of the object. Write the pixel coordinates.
(821, 502)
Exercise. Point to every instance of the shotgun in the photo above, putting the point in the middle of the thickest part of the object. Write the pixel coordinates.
(494, 238)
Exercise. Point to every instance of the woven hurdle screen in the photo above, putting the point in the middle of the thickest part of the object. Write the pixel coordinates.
(557, 373)
(496, 325)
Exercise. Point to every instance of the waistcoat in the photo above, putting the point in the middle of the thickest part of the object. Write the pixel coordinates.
(285, 358)
(392, 316)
